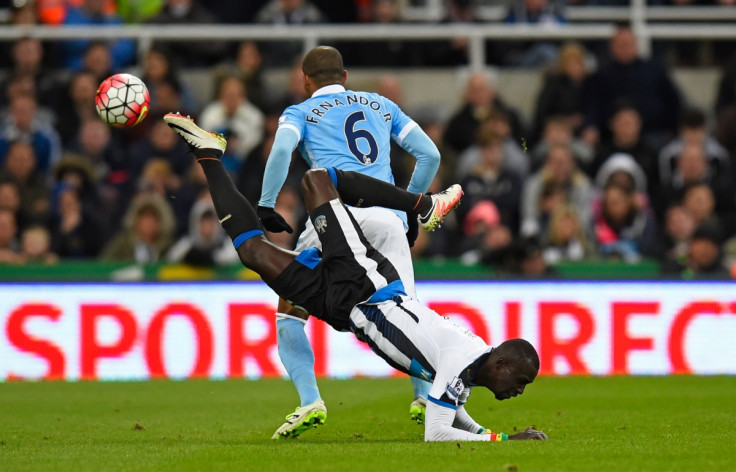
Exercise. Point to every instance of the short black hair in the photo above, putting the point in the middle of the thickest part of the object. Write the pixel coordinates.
(692, 118)
(323, 65)
(519, 352)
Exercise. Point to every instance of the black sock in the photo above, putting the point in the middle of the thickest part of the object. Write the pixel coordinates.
(236, 215)
(361, 190)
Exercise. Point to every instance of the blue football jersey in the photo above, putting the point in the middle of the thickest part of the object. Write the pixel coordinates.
(348, 130)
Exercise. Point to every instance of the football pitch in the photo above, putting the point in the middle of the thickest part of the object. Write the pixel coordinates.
(596, 424)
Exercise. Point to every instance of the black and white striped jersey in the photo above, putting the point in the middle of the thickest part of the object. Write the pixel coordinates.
(416, 340)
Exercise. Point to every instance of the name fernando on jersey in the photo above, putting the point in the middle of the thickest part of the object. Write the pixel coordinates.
(321, 109)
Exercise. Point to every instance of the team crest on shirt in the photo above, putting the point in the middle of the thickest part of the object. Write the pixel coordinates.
(320, 224)
(454, 388)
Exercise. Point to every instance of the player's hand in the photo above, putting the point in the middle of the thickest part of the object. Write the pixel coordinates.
(529, 433)
(272, 221)
(413, 232)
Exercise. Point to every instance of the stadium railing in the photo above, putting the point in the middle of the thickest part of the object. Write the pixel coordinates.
(311, 35)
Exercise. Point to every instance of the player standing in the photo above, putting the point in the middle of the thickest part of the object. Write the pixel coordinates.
(352, 131)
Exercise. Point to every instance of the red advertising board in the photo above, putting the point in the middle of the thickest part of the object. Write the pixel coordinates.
(219, 330)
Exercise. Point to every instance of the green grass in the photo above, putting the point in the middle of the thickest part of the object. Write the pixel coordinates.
(598, 424)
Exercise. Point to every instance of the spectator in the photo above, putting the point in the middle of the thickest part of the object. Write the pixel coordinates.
(515, 159)
(110, 164)
(700, 202)
(455, 52)
(726, 97)
(679, 226)
(75, 172)
(725, 108)
(157, 178)
(542, 13)
(566, 239)
(559, 131)
(192, 189)
(76, 231)
(479, 101)
(622, 229)
(486, 239)
(25, 85)
(529, 258)
(92, 13)
(562, 90)
(36, 246)
(237, 118)
(384, 52)
(27, 61)
(558, 181)
(295, 92)
(693, 132)
(206, 243)
(248, 66)
(23, 124)
(160, 143)
(489, 180)
(704, 256)
(692, 169)
(190, 53)
(157, 70)
(75, 104)
(146, 234)
(233, 11)
(625, 138)
(286, 12)
(10, 197)
(168, 96)
(642, 82)
(21, 169)
(23, 13)
(622, 170)
(9, 245)
(98, 60)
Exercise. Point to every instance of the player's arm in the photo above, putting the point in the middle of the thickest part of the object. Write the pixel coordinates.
(277, 168)
(445, 421)
(440, 421)
(418, 144)
(463, 420)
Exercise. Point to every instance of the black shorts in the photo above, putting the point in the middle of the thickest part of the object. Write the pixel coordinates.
(347, 271)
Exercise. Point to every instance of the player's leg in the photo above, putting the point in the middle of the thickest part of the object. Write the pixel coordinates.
(237, 216)
(297, 358)
(361, 190)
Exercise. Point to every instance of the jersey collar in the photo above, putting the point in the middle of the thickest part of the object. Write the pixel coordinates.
(468, 374)
(333, 88)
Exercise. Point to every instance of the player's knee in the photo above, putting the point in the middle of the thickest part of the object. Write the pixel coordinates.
(317, 188)
(313, 180)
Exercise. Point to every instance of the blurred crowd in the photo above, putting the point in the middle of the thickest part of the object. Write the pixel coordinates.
(614, 164)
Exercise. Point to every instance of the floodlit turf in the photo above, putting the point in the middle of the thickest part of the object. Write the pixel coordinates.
(599, 424)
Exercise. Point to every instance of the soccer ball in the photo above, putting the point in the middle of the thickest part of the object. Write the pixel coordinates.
(122, 100)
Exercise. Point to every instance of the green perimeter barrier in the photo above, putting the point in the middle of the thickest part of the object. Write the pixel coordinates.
(444, 269)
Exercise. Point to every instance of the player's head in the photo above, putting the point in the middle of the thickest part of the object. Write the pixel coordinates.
(323, 66)
(510, 368)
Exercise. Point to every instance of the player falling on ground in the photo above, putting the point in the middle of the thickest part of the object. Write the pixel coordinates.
(352, 286)
(352, 131)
